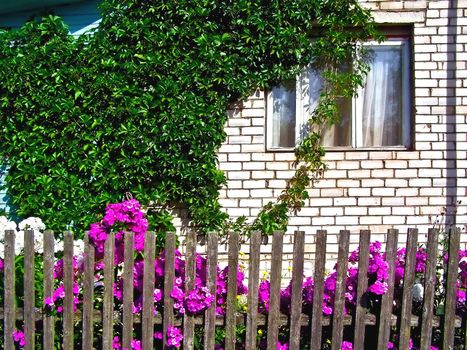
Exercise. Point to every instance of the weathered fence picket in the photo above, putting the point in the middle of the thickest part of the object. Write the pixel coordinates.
(297, 285)
(450, 305)
(253, 280)
(190, 277)
(318, 278)
(68, 286)
(128, 290)
(362, 285)
(35, 320)
(339, 298)
(148, 289)
(211, 276)
(274, 291)
(88, 294)
(430, 284)
(231, 308)
(409, 277)
(169, 276)
(384, 331)
(9, 316)
(29, 309)
(48, 320)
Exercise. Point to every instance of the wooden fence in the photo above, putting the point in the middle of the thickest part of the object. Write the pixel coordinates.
(89, 316)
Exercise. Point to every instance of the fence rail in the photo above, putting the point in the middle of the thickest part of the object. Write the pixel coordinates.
(107, 317)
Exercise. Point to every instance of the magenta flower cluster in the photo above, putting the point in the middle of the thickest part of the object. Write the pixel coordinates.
(128, 216)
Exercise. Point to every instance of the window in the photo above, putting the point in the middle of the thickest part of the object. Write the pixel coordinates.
(378, 117)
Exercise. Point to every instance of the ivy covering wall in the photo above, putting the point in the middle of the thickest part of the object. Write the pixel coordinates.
(139, 105)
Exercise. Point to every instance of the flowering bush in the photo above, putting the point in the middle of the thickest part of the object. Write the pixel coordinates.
(128, 216)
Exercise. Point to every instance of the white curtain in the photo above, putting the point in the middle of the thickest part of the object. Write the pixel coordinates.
(283, 115)
(339, 134)
(381, 100)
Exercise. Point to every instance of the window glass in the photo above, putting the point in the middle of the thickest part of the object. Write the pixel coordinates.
(283, 107)
(381, 98)
(379, 116)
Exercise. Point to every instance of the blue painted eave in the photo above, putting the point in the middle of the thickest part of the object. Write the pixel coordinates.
(10, 6)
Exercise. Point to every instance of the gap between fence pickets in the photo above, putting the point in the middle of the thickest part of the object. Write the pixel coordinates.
(8, 313)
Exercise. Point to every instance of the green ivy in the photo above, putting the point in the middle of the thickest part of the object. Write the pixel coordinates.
(139, 105)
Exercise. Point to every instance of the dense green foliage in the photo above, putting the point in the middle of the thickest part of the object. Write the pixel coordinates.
(139, 105)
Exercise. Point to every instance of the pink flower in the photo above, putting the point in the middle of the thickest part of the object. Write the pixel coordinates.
(174, 337)
(346, 345)
(18, 337)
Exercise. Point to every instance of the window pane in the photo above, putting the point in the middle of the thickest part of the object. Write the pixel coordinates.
(283, 115)
(335, 135)
(382, 110)
(340, 134)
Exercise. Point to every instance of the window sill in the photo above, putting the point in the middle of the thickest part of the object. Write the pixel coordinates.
(346, 149)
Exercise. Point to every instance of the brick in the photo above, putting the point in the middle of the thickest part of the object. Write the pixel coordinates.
(356, 155)
(232, 131)
(335, 174)
(381, 155)
(276, 183)
(250, 203)
(429, 173)
(371, 220)
(345, 201)
(372, 183)
(229, 148)
(359, 174)
(382, 173)
(334, 156)
(369, 201)
(390, 201)
(299, 220)
(356, 211)
(332, 192)
(234, 184)
(261, 193)
(253, 112)
(236, 212)
(332, 211)
(406, 192)
(252, 148)
(285, 156)
(238, 193)
(420, 163)
(395, 164)
(233, 140)
(417, 201)
(228, 202)
(379, 211)
(372, 164)
(347, 220)
(277, 166)
(396, 183)
(404, 173)
(348, 165)
(254, 183)
(238, 175)
(252, 130)
(322, 221)
(253, 166)
(320, 202)
(239, 157)
(230, 166)
(357, 192)
(348, 183)
(239, 122)
(284, 174)
(262, 174)
(262, 156)
(383, 192)
(325, 183)
(393, 220)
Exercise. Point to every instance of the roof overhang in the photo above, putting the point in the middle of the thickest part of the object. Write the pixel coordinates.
(9, 6)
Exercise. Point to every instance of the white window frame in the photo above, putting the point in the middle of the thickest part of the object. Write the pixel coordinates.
(356, 118)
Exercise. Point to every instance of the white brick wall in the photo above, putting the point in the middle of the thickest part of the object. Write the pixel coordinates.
(381, 189)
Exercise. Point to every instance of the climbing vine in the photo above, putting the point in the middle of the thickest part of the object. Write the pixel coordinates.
(138, 105)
